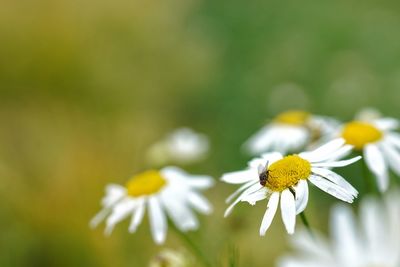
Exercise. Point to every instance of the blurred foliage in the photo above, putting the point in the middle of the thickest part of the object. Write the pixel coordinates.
(86, 86)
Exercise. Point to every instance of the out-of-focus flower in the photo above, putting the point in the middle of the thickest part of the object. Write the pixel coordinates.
(290, 132)
(172, 258)
(169, 191)
(183, 146)
(378, 142)
(286, 179)
(373, 242)
(368, 114)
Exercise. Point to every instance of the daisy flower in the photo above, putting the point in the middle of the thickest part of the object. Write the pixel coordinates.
(170, 191)
(379, 144)
(290, 131)
(182, 146)
(373, 241)
(285, 179)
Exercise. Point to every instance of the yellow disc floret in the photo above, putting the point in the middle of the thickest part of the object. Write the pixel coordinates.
(358, 134)
(293, 117)
(145, 183)
(287, 172)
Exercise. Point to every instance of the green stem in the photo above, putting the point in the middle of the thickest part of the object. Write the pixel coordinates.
(195, 249)
(307, 224)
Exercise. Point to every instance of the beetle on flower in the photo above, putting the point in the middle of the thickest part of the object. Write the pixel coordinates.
(287, 181)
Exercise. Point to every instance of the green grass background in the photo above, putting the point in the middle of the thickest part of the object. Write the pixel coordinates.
(87, 86)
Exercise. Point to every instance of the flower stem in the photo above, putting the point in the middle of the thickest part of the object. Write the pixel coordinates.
(307, 224)
(194, 247)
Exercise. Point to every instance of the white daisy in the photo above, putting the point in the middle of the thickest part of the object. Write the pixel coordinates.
(373, 242)
(378, 143)
(286, 179)
(169, 191)
(182, 146)
(290, 132)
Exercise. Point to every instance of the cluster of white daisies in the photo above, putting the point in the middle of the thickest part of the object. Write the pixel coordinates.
(291, 152)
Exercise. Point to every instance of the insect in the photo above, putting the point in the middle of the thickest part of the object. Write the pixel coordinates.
(263, 174)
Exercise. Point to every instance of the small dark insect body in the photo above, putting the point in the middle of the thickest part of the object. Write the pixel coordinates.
(263, 176)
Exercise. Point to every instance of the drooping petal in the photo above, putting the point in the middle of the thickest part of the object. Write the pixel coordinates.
(301, 196)
(288, 210)
(119, 212)
(240, 190)
(269, 213)
(256, 196)
(376, 163)
(335, 178)
(200, 203)
(331, 188)
(158, 222)
(181, 215)
(138, 215)
(392, 156)
(256, 186)
(345, 236)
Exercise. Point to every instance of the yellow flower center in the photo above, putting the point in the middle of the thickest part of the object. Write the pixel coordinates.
(145, 183)
(287, 172)
(359, 134)
(293, 117)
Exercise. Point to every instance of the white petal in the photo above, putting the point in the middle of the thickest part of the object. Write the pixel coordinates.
(269, 213)
(392, 156)
(256, 196)
(331, 188)
(386, 124)
(181, 215)
(288, 210)
(376, 163)
(196, 181)
(99, 217)
(271, 157)
(119, 212)
(301, 196)
(393, 138)
(341, 163)
(323, 151)
(114, 193)
(240, 177)
(314, 245)
(238, 191)
(158, 222)
(345, 236)
(200, 203)
(259, 142)
(335, 178)
(264, 159)
(255, 187)
(138, 215)
(376, 229)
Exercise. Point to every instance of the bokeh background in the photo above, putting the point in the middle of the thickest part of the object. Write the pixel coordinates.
(87, 86)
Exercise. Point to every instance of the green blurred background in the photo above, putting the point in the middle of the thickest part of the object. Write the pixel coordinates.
(87, 86)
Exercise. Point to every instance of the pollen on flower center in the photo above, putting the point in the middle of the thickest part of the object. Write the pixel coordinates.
(287, 172)
(145, 183)
(293, 117)
(359, 134)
